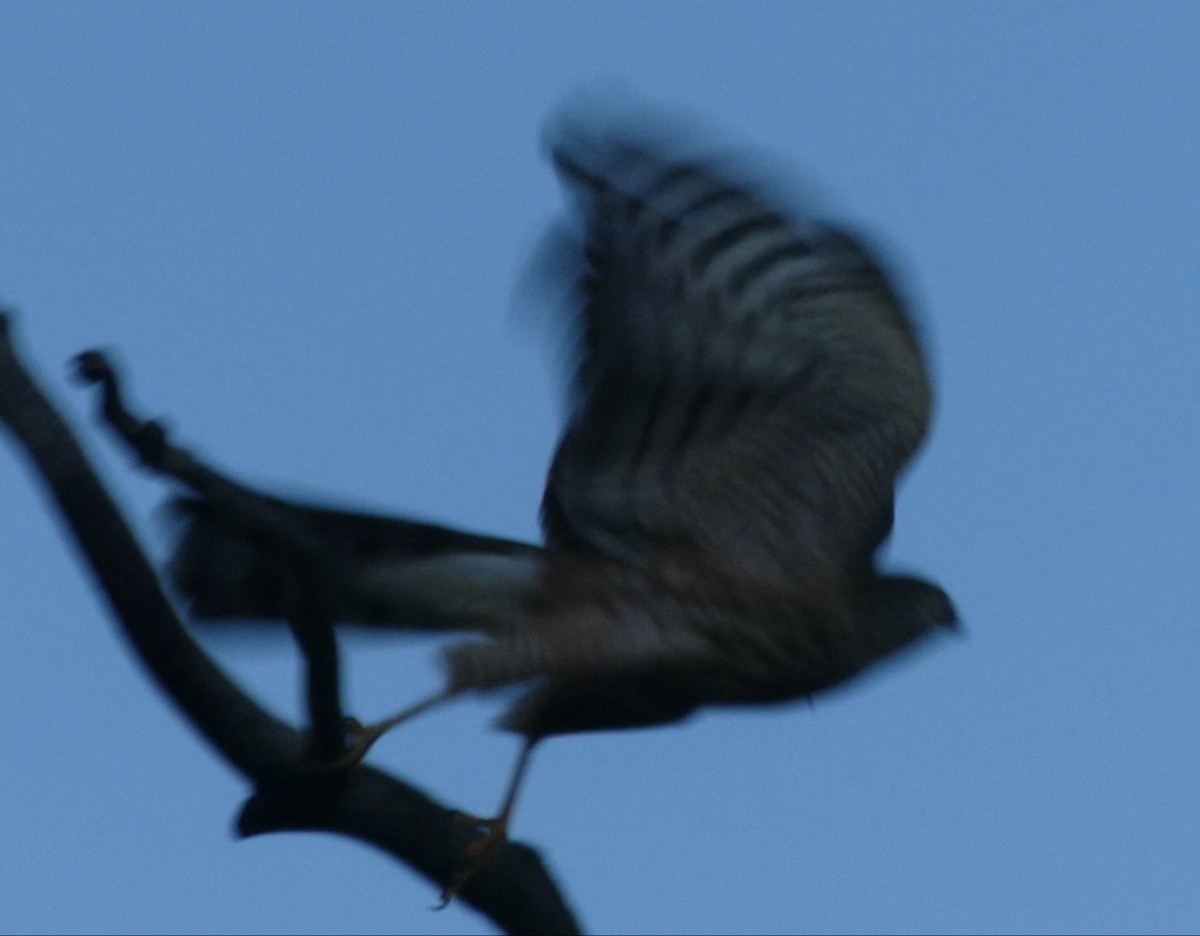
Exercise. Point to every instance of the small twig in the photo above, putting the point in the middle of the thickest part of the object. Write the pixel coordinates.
(255, 516)
(313, 631)
(252, 513)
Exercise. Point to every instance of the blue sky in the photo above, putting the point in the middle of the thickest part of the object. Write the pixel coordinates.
(302, 225)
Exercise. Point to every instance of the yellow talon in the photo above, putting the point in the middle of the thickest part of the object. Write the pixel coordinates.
(479, 853)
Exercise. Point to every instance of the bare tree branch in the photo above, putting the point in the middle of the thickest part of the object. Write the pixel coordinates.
(515, 892)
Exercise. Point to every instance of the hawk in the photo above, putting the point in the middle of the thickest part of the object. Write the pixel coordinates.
(745, 390)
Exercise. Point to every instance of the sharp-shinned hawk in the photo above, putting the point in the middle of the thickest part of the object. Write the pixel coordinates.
(746, 388)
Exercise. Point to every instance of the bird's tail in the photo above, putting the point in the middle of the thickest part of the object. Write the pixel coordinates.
(377, 571)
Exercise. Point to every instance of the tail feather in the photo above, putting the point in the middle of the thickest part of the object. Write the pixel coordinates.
(382, 571)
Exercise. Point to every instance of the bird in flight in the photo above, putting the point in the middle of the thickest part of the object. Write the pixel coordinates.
(746, 387)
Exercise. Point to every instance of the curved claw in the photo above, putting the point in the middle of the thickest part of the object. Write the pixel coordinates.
(479, 853)
(362, 739)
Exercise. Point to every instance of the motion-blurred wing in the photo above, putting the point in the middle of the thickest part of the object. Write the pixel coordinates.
(746, 385)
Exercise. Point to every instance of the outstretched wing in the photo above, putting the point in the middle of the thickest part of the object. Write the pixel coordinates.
(747, 385)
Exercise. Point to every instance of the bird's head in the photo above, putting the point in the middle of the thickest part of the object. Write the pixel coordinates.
(913, 605)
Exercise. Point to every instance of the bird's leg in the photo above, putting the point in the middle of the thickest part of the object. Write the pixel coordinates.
(481, 851)
(363, 737)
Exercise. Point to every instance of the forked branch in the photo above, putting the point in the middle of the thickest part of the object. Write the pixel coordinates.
(515, 891)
